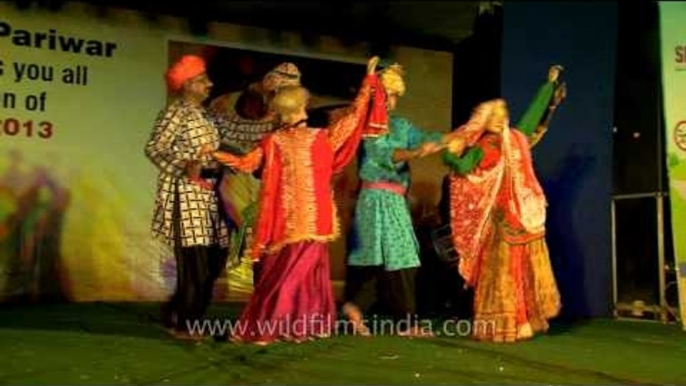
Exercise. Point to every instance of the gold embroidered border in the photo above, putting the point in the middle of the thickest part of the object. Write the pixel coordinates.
(297, 180)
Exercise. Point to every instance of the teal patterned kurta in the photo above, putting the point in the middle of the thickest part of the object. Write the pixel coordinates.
(383, 226)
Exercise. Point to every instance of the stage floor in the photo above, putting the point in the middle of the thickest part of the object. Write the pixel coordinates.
(112, 344)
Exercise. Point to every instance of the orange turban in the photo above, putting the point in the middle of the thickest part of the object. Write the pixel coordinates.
(188, 67)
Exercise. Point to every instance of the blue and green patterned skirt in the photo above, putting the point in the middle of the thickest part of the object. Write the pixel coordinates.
(383, 232)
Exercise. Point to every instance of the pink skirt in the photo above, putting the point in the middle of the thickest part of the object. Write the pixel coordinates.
(293, 299)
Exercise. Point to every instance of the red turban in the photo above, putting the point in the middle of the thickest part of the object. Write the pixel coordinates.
(188, 67)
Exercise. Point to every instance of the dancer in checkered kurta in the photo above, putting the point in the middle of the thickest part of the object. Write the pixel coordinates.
(187, 214)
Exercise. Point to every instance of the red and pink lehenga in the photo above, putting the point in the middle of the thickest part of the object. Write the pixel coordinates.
(498, 213)
(293, 299)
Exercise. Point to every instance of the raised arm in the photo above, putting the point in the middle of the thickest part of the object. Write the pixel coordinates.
(559, 95)
(533, 115)
(343, 129)
(346, 134)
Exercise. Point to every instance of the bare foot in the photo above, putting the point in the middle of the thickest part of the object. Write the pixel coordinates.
(525, 332)
(355, 317)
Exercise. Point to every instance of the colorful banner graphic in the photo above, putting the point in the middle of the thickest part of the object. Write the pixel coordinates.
(79, 91)
(673, 40)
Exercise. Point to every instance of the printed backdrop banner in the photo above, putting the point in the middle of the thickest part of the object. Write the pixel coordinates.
(673, 39)
(79, 91)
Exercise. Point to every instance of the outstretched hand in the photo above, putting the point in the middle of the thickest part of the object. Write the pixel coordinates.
(560, 94)
(456, 146)
(371, 65)
(225, 158)
(428, 148)
(193, 171)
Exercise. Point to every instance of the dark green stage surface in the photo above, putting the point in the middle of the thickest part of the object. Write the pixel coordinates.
(122, 344)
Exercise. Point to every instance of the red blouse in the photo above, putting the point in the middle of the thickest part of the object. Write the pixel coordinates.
(296, 198)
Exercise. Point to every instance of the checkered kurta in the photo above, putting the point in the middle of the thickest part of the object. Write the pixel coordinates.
(180, 132)
(241, 132)
(240, 191)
